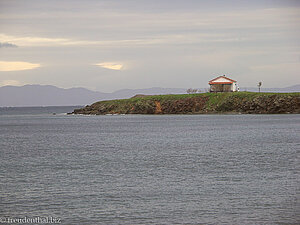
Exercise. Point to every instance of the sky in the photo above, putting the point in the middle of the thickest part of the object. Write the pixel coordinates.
(107, 45)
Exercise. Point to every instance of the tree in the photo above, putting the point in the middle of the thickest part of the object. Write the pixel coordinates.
(189, 91)
(259, 85)
(192, 91)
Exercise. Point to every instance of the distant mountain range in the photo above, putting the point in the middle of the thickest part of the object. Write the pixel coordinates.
(47, 95)
(294, 88)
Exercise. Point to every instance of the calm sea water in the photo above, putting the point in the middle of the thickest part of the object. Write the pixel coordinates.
(138, 169)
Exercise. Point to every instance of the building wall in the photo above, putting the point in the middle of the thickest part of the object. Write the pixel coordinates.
(221, 87)
(234, 86)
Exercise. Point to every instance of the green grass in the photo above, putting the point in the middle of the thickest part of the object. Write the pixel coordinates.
(214, 98)
(213, 101)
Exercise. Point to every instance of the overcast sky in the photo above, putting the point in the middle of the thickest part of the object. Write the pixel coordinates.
(108, 45)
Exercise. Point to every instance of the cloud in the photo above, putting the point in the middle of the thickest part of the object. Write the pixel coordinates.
(127, 29)
(150, 29)
(33, 41)
(10, 83)
(110, 65)
(16, 66)
(7, 45)
(43, 41)
(150, 40)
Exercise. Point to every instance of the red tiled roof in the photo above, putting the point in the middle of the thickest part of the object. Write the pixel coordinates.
(230, 80)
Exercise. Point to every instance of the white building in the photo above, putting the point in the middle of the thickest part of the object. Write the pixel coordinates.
(223, 84)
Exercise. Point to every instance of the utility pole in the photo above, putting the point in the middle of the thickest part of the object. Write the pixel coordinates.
(259, 85)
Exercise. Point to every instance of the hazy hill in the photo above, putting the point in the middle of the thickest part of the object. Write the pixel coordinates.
(38, 95)
(47, 95)
(294, 88)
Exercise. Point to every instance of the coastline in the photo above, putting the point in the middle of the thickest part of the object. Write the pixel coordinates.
(204, 103)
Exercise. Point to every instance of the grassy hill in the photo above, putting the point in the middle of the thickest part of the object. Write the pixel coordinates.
(231, 102)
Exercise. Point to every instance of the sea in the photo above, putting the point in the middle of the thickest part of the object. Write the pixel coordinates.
(148, 169)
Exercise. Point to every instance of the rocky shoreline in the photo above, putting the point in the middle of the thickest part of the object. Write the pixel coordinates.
(206, 103)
